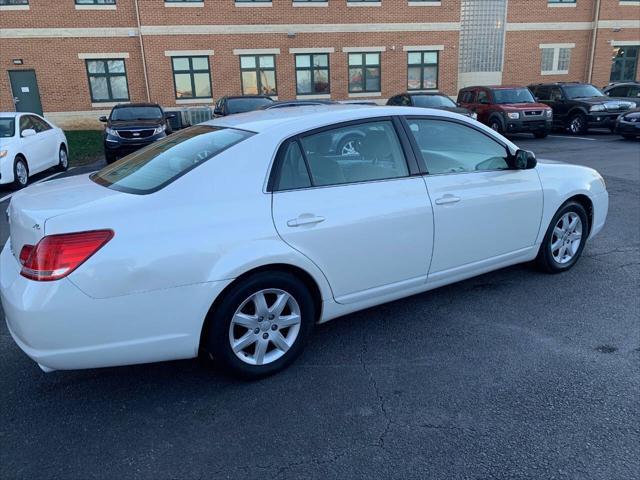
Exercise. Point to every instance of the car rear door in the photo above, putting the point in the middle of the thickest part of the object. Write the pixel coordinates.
(483, 210)
(364, 218)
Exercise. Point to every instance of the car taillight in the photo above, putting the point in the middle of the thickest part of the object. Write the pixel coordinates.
(24, 253)
(56, 256)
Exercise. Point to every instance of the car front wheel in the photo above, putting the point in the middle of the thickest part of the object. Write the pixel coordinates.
(20, 173)
(261, 325)
(578, 124)
(565, 239)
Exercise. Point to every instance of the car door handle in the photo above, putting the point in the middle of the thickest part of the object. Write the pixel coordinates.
(300, 221)
(447, 199)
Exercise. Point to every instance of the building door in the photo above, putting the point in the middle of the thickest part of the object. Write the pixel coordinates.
(625, 64)
(24, 87)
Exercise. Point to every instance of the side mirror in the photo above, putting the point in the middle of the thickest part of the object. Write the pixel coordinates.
(103, 119)
(28, 132)
(524, 160)
(170, 115)
(217, 111)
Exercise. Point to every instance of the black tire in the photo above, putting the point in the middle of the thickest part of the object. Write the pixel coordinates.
(63, 159)
(627, 136)
(216, 341)
(496, 124)
(541, 134)
(612, 129)
(345, 141)
(545, 259)
(17, 183)
(578, 124)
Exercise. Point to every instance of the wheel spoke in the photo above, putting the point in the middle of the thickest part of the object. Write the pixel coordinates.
(280, 342)
(289, 320)
(260, 303)
(261, 349)
(280, 303)
(558, 232)
(562, 253)
(244, 341)
(556, 245)
(244, 320)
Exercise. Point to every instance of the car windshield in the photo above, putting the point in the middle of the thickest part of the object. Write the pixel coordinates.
(162, 162)
(239, 105)
(136, 113)
(582, 91)
(7, 127)
(513, 95)
(432, 101)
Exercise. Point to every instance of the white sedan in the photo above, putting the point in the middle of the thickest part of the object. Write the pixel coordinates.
(29, 144)
(234, 237)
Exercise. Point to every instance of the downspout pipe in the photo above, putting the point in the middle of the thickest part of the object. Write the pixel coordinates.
(594, 38)
(144, 59)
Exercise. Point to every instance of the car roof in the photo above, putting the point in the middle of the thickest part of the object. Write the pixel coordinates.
(139, 104)
(417, 94)
(291, 120)
(494, 87)
(234, 97)
(10, 114)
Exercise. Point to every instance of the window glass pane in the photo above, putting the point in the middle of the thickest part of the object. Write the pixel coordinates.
(200, 63)
(303, 61)
(163, 161)
(248, 62)
(249, 83)
(379, 155)
(414, 58)
(95, 66)
(321, 81)
(115, 66)
(267, 61)
(119, 87)
(180, 63)
(449, 147)
(355, 59)
(355, 79)
(268, 82)
(547, 59)
(183, 85)
(430, 77)
(99, 89)
(372, 58)
(564, 59)
(430, 57)
(373, 80)
(414, 78)
(321, 60)
(303, 81)
(203, 84)
(293, 172)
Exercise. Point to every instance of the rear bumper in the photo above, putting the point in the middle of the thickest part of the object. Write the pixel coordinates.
(62, 328)
(529, 126)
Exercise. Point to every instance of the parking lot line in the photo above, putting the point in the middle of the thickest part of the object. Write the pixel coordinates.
(6, 197)
(572, 138)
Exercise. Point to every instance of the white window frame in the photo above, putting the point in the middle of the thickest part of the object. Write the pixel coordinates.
(556, 57)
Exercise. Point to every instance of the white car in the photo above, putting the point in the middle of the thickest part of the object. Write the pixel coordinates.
(29, 144)
(234, 237)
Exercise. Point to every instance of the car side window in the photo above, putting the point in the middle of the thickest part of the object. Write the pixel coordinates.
(293, 170)
(25, 123)
(634, 92)
(468, 96)
(543, 93)
(556, 94)
(39, 125)
(379, 154)
(449, 147)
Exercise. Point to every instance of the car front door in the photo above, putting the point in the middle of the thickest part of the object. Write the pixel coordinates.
(483, 209)
(364, 218)
(31, 146)
(48, 142)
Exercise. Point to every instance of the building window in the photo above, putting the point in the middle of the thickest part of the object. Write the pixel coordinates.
(14, 2)
(107, 80)
(422, 71)
(625, 63)
(258, 73)
(312, 74)
(555, 60)
(191, 77)
(95, 2)
(364, 72)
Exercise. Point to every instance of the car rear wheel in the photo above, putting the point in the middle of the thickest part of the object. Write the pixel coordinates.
(63, 159)
(565, 239)
(578, 124)
(20, 173)
(261, 325)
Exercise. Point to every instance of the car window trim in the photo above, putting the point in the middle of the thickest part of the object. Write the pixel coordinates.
(405, 145)
(418, 153)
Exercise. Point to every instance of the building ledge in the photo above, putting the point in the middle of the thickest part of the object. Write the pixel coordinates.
(13, 7)
(184, 4)
(96, 7)
(193, 101)
(365, 94)
(254, 4)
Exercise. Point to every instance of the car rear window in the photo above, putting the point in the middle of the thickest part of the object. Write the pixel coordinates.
(156, 166)
(7, 127)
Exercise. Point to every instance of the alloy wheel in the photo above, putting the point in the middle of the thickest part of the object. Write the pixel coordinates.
(64, 158)
(21, 173)
(576, 125)
(566, 238)
(349, 148)
(265, 326)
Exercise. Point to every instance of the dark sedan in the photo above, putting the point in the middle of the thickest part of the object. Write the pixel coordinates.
(628, 124)
(429, 100)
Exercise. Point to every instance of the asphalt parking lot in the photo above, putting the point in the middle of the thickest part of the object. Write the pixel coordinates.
(512, 375)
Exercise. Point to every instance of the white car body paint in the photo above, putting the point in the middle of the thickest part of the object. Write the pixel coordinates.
(40, 150)
(144, 296)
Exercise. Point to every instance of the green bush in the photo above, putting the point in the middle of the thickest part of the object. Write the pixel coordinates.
(85, 146)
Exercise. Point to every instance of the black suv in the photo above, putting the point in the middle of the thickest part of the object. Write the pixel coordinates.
(579, 106)
(131, 126)
(429, 100)
(246, 103)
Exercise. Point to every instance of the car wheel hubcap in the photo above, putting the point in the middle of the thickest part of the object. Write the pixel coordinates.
(349, 148)
(265, 326)
(576, 125)
(566, 237)
(63, 158)
(495, 126)
(21, 173)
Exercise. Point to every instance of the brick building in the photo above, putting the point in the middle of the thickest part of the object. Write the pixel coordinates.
(74, 59)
